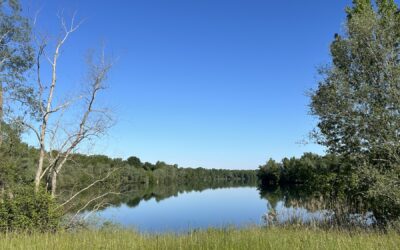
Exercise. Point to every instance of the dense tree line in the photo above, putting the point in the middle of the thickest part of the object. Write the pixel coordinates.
(328, 174)
(82, 170)
(135, 172)
(21, 158)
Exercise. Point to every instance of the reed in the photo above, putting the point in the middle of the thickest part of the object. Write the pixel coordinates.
(229, 238)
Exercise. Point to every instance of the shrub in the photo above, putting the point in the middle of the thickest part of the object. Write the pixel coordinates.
(24, 210)
(381, 190)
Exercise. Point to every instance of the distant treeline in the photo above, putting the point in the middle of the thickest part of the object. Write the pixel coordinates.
(133, 172)
(19, 161)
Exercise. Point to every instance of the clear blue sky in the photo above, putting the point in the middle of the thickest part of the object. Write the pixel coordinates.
(211, 83)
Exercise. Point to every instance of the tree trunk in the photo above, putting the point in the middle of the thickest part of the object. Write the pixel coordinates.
(39, 170)
(53, 184)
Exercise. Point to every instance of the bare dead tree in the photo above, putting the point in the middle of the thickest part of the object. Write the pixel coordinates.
(62, 126)
(87, 127)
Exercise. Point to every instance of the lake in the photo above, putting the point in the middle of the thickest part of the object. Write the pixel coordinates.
(221, 207)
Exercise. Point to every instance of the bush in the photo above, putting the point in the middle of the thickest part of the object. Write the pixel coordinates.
(24, 210)
(270, 173)
(381, 190)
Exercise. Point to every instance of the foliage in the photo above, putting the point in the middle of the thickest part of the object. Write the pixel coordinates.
(358, 106)
(357, 102)
(16, 53)
(16, 157)
(334, 178)
(311, 170)
(128, 173)
(15, 36)
(381, 192)
(270, 173)
(24, 210)
(134, 161)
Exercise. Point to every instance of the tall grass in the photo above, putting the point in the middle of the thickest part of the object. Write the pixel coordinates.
(249, 239)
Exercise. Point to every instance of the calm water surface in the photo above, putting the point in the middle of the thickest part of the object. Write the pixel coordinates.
(238, 207)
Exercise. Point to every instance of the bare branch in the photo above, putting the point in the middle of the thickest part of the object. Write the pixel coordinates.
(90, 201)
(86, 188)
(4, 36)
(39, 81)
(65, 105)
(32, 128)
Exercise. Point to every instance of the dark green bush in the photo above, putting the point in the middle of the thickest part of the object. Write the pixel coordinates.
(270, 173)
(24, 210)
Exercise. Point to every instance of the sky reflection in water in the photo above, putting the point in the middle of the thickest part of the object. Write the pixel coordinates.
(238, 207)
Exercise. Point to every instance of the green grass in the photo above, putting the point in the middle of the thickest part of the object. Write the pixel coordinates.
(248, 239)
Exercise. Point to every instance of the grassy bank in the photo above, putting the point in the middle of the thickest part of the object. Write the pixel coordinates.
(252, 238)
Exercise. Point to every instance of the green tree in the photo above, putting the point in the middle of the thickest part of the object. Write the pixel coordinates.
(358, 100)
(8, 154)
(16, 53)
(270, 173)
(134, 161)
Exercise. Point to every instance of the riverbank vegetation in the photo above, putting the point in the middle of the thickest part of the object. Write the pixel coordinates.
(251, 238)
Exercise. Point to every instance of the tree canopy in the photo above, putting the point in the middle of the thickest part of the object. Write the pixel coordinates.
(358, 100)
(16, 56)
